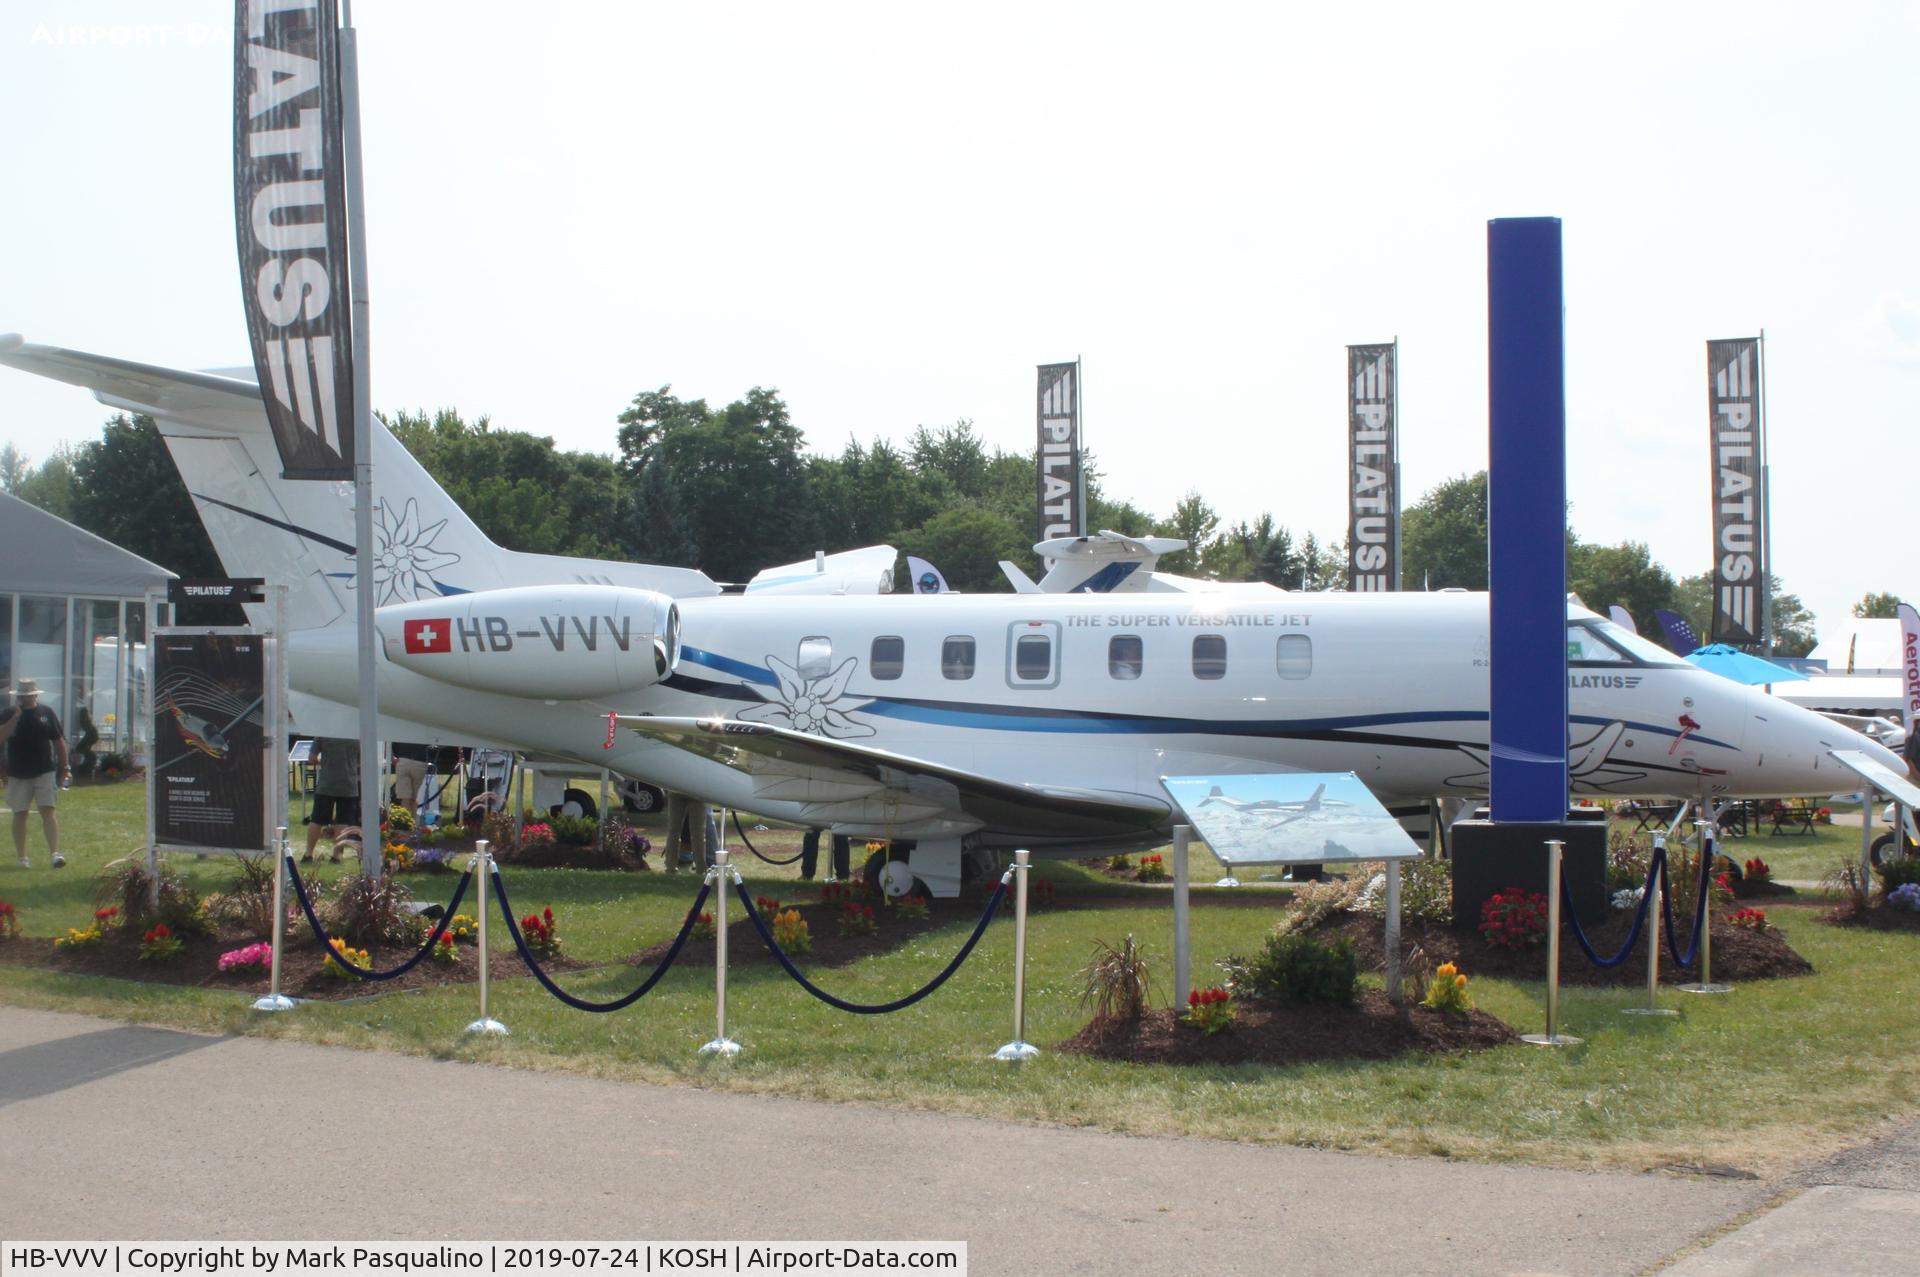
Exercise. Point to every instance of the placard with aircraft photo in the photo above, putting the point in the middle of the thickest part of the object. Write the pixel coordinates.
(209, 693)
(1288, 819)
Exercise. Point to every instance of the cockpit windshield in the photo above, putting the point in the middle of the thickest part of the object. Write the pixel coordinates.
(1625, 641)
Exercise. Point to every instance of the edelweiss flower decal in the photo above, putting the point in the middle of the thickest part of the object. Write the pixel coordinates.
(404, 557)
(816, 705)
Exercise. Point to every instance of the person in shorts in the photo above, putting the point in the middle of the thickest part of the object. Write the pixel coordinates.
(36, 767)
(336, 793)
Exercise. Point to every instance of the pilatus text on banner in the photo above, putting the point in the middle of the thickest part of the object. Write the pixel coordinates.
(1059, 454)
(290, 214)
(1373, 493)
(1739, 567)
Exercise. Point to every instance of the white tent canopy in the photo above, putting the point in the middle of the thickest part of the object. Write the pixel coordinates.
(48, 555)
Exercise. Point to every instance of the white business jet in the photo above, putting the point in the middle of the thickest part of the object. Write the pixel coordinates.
(964, 723)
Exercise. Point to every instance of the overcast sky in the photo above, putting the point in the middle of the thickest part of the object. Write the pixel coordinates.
(892, 212)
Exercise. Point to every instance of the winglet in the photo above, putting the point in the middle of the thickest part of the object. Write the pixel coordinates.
(1021, 582)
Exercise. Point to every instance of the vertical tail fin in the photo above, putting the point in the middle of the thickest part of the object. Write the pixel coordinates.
(301, 533)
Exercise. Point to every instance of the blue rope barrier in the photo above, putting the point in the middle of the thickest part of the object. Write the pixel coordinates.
(1699, 909)
(581, 1004)
(326, 941)
(793, 859)
(1657, 865)
(862, 1008)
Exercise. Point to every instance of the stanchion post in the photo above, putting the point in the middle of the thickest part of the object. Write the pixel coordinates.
(1653, 1006)
(1019, 1048)
(1553, 1037)
(1709, 848)
(722, 1045)
(1182, 958)
(1394, 992)
(482, 868)
(282, 854)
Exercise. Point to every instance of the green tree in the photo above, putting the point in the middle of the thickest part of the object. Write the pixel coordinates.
(50, 485)
(737, 475)
(1194, 522)
(14, 466)
(1443, 536)
(1603, 575)
(127, 491)
(967, 543)
(518, 488)
(1793, 626)
(1881, 606)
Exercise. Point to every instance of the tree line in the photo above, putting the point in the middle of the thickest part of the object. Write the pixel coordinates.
(732, 490)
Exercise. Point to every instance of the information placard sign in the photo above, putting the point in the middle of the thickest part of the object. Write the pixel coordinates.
(209, 770)
(1289, 819)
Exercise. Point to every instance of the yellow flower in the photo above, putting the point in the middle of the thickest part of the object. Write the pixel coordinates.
(1447, 968)
(1459, 982)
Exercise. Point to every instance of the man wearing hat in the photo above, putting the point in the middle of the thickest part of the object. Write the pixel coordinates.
(34, 741)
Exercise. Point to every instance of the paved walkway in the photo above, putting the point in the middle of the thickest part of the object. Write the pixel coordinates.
(119, 1131)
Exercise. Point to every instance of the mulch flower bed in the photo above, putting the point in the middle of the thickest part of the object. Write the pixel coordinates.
(1880, 917)
(1371, 1029)
(301, 974)
(1739, 953)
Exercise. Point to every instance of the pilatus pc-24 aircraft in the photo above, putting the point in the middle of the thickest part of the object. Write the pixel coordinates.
(962, 723)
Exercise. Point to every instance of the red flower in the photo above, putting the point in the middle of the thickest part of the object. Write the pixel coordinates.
(1193, 999)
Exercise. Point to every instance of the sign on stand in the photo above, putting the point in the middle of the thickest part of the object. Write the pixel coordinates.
(1287, 819)
(217, 782)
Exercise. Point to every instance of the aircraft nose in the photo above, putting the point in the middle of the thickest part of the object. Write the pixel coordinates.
(1793, 748)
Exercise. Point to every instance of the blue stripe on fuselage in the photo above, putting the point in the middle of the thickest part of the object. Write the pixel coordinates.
(1026, 718)
(727, 665)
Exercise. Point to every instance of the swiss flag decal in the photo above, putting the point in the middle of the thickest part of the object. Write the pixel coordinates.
(434, 635)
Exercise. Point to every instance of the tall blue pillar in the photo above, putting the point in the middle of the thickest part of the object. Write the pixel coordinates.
(1527, 517)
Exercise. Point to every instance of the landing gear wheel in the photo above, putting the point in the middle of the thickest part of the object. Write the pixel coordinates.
(644, 799)
(577, 804)
(1882, 849)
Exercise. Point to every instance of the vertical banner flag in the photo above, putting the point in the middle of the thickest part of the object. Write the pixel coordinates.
(289, 205)
(209, 771)
(1909, 664)
(1373, 468)
(1062, 509)
(1739, 559)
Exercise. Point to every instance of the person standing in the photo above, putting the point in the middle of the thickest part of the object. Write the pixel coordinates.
(409, 772)
(336, 794)
(34, 744)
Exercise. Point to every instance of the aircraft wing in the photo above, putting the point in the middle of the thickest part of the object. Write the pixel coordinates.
(839, 777)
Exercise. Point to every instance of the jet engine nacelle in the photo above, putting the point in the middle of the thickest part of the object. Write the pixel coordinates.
(557, 642)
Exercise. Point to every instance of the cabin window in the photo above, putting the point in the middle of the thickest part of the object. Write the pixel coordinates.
(1210, 656)
(1032, 657)
(956, 657)
(889, 656)
(1126, 656)
(816, 657)
(1295, 656)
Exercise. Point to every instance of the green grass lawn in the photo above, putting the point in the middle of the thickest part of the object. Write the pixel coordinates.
(1771, 1075)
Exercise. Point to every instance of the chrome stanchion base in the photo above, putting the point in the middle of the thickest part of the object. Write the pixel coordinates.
(1705, 988)
(488, 1026)
(1558, 1039)
(1228, 881)
(726, 1048)
(1648, 1011)
(273, 1002)
(1017, 1051)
